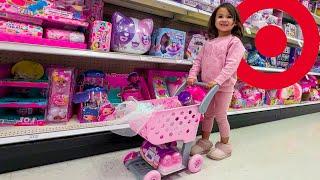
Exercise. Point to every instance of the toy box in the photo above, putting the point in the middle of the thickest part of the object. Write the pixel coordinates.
(290, 30)
(94, 10)
(168, 43)
(100, 36)
(246, 96)
(131, 35)
(64, 35)
(15, 28)
(60, 94)
(163, 83)
(37, 12)
(194, 43)
(286, 58)
(205, 5)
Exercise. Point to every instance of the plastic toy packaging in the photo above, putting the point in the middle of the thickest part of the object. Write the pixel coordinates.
(95, 106)
(93, 78)
(160, 87)
(21, 29)
(194, 43)
(100, 36)
(245, 96)
(60, 95)
(131, 35)
(255, 59)
(168, 43)
(286, 58)
(163, 157)
(290, 95)
(233, 2)
(74, 7)
(316, 66)
(64, 35)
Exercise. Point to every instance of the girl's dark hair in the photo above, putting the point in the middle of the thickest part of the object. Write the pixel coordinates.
(237, 29)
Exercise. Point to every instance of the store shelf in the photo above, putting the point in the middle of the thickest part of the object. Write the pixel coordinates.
(19, 47)
(16, 83)
(166, 8)
(10, 135)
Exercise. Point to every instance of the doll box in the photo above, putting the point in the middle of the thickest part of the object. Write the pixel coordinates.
(168, 43)
(100, 36)
(22, 29)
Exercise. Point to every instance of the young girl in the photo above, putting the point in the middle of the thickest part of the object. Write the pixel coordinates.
(218, 61)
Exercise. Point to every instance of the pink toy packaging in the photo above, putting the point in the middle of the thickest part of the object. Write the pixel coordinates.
(168, 43)
(246, 96)
(310, 91)
(73, 9)
(124, 86)
(37, 12)
(60, 95)
(163, 84)
(64, 35)
(131, 35)
(194, 42)
(21, 29)
(100, 36)
(290, 95)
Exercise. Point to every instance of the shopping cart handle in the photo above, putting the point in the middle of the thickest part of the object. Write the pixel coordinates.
(207, 99)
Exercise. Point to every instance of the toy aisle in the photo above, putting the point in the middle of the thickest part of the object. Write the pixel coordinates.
(91, 79)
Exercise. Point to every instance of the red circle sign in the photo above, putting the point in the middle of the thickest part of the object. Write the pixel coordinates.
(310, 49)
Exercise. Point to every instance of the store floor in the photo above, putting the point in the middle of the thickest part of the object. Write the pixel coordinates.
(283, 150)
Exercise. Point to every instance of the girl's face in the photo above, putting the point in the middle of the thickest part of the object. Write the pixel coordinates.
(224, 22)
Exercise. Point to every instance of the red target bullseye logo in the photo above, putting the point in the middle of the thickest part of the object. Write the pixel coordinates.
(271, 41)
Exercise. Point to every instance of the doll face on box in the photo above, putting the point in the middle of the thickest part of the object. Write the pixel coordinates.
(132, 34)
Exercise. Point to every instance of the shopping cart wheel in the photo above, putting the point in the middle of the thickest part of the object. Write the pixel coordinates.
(152, 175)
(195, 163)
(129, 156)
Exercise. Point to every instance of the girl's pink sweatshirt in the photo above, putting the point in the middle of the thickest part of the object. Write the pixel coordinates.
(218, 61)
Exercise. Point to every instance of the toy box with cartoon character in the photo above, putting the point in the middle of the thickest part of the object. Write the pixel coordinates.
(245, 96)
(60, 95)
(131, 35)
(194, 43)
(100, 36)
(286, 58)
(310, 91)
(21, 29)
(289, 95)
(168, 43)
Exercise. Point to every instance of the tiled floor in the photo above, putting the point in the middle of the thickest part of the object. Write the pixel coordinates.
(284, 150)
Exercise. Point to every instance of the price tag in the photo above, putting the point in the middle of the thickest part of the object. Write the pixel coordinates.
(32, 137)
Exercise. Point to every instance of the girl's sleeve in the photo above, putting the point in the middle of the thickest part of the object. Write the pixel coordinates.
(235, 54)
(196, 67)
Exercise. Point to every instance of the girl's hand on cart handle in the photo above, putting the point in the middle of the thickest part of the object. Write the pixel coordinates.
(211, 84)
(191, 81)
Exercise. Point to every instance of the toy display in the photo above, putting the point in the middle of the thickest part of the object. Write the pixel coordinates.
(64, 35)
(130, 35)
(205, 5)
(60, 95)
(100, 36)
(194, 42)
(21, 29)
(23, 95)
(245, 96)
(168, 43)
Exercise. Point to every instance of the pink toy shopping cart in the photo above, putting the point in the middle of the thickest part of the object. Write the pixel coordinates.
(159, 155)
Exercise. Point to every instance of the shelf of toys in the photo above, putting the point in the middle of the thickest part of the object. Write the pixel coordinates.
(89, 67)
